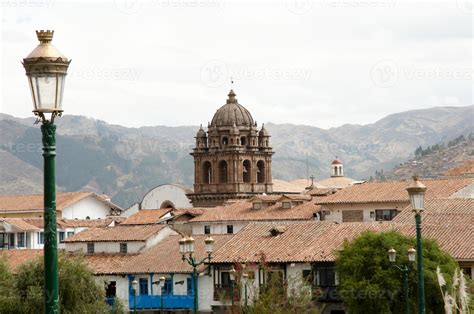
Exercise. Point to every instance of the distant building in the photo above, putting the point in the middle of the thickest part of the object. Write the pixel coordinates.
(337, 179)
(69, 205)
(232, 160)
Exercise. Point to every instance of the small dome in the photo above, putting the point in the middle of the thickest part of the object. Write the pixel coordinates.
(263, 131)
(336, 161)
(232, 113)
(201, 132)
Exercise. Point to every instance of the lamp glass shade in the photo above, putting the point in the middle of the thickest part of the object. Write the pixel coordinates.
(134, 284)
(47, 91)
(417, 200)
(232, 273)
(209, 242)
(411, 254)
(190, 245)
(392, 255)
(182, 246)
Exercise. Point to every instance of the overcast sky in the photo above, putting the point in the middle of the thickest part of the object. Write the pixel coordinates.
(317, 62)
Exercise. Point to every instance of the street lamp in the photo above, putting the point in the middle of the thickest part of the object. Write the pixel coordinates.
(417, 199)
(232, 275)
(46, 69)
(134, 289)
(186, 248)
(160, 283)
(405, 269)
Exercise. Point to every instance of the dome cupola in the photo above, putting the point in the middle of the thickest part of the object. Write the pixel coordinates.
(232, 113)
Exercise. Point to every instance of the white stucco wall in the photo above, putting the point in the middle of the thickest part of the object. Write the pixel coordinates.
(337, 209)
(166, 192)
(217, 227)
(121, 286)
(87, 207)
(114, 247)
(131, 210)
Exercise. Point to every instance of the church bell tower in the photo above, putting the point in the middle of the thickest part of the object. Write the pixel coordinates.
(233, 159)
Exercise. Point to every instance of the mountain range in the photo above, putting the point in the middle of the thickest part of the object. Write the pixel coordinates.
(126, 162)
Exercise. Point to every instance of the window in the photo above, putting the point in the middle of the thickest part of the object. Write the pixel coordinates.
(123, 247)
(143, 286)
(70, 233)
(207, 229)
(261, 171)
(61, 236)
(11, 241)
(257, 205)
(189, 286)
(243, 140)
(223, 171)
(230, 229)
(21, 239)
(167, 287)
(225, 141)
(225, 279)
(372, 215)
(246, 171)
(40, 237)
(326, 276)
(385, 214)
(90, 248)
(206, 172)
(111, 289)
(286, 205)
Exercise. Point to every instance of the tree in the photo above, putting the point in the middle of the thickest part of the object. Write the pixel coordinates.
(369, 283)
(78, 290)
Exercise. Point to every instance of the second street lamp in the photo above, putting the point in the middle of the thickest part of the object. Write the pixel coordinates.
(46, 69)
(134, 289)
(186, 248)
(417, 199)
(405, 270)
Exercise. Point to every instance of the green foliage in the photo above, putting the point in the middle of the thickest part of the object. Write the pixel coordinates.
(369, 283)
(78, 290)
(278, 297)
(419, 152)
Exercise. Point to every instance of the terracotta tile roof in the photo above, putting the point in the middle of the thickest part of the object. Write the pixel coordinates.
(34, 202)
(164, 257)
(20, 224)
(336, 182)
(295, 197)
(70, 223)
(442, 212)
(146, 216)
(117, 234)
(243, 211)
(15, 258)
(321, 191)
(318, 241)
(89, 223)
(265, 198)
(394, 191)
(107, 263)
(255, 241)
(285, 186)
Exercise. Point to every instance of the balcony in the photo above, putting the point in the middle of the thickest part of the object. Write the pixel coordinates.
(169, 301)
(225, 293)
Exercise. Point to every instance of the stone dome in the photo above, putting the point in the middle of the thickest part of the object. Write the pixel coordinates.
(263, 131)
(201, 132)
(232, 113)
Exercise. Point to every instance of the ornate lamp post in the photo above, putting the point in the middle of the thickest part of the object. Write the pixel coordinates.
(186, 248)
(134, 290)
(46, 69)
(245, 276)
(417, 199)
(405, 269)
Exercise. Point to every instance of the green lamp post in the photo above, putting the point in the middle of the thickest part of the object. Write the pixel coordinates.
(46, 69)
(417, 199)
(186, 248)
(405, 269)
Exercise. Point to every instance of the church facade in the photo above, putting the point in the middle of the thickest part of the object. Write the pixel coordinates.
(233, 159)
